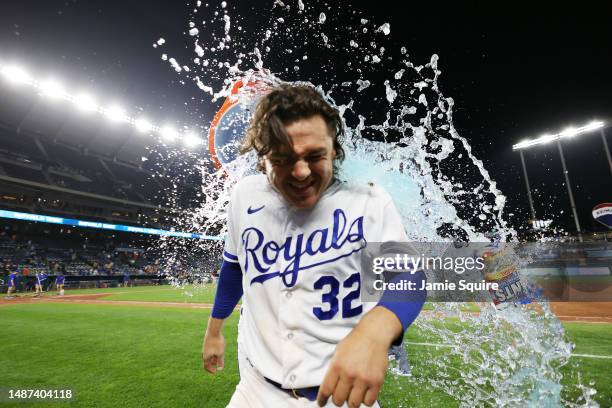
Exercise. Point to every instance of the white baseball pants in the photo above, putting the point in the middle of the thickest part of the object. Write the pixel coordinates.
(253, 391)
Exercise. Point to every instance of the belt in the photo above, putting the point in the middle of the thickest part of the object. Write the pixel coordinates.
(309, 393)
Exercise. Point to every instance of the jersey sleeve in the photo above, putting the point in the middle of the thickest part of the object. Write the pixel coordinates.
(230, 249)
(229, 290)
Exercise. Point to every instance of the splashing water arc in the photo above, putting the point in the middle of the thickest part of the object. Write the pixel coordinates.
(409, 145)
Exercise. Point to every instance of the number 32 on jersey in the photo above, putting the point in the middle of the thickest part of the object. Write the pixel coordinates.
(330, 286)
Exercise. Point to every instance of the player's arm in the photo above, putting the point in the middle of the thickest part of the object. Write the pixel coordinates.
(229, 292)
(357, 369)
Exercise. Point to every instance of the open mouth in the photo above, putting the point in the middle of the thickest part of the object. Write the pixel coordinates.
(302, 189)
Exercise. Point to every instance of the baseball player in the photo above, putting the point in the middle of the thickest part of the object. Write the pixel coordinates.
(293, 253)
(400, 355)
(126, 279)
(11, 285)
(41, 278)
(59, 284)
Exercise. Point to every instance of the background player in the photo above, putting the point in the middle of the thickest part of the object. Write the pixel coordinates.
(41, 278)
(400, 355)
(293, 247)
(126, 279)
(11, 284)
(59, 284)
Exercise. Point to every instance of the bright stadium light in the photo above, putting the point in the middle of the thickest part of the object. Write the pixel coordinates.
(143, 125)
(567, 133)
(168, 133)
(543, 139)
(16, 74)
(593, 126)
(116, 113)
(546, 138)
(523, 142)
(192, 140)
(84, 102)
(52, 89)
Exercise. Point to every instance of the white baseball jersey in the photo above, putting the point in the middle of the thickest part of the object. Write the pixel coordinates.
(301, 272)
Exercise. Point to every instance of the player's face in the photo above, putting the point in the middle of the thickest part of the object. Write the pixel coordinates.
(303, 174)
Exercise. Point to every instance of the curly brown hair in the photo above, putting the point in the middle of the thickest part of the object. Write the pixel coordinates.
(284, 105)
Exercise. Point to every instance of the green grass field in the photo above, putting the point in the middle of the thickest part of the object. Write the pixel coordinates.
(136, 356)
(187, 294)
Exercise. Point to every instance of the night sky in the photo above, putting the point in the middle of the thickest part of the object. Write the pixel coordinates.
(514, 73)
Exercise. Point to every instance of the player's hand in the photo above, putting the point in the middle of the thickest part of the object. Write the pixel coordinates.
(357, 369)
(213, 352)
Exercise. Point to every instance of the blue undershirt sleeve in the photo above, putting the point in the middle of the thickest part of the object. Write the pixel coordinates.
(405, 304)
(229, 290)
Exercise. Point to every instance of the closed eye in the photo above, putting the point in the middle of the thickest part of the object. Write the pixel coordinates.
(284, 160)
(278, 161)
(315, 157)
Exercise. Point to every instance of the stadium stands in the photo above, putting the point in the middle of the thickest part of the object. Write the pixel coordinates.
(90, 258)
(27, 170)
(84, 173)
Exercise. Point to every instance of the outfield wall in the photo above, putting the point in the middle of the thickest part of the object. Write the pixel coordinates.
(83, 282)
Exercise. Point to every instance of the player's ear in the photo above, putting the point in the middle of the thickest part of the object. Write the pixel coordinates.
(333, 154)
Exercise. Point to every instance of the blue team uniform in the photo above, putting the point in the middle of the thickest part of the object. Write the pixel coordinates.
(41, 278)
(60, 280)
(12, 280)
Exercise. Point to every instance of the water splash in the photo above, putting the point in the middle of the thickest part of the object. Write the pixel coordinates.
(400, 135)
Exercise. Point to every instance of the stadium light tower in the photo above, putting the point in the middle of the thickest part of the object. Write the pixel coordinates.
(606, 148)
(533, 215)
(570, 132)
